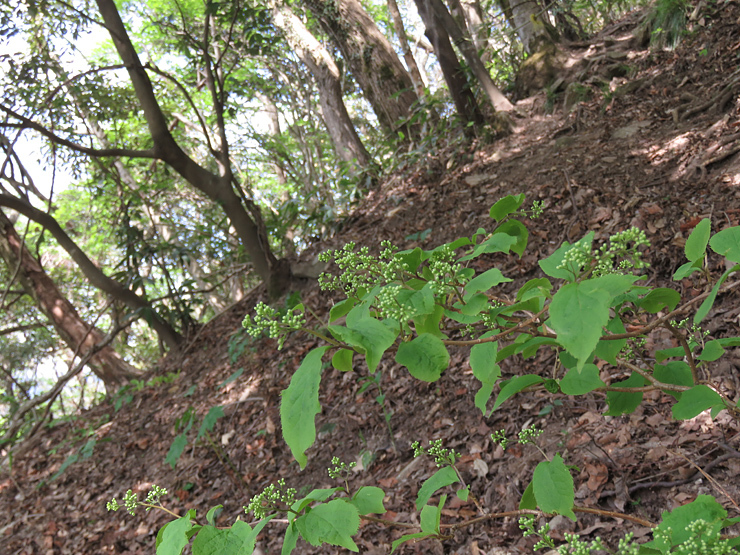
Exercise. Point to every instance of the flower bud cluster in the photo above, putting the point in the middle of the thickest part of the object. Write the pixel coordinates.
(273, 497)
(340, 470)
(442, 456)
(360, 270)
(267, 319)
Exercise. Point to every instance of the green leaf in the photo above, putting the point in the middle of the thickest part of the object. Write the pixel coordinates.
(608, 349)
(658, 299)
(213, 513)
(176, 449)
(474, 304)
(498, 242)
(422, 301)
(676, 372)
(581, 382)
(407, 537)
(552, 486)
(210, 421)
(369, 336)
(291, 539)
(550, 264)
(430, 516)
(483, 282)
(231, 378)
(516, 229)
(709, 301)
(695, 401)
(685, 270)
(410, 259)
(538, 287)
(334, 523)
(506, 206)
(463, 493)
(696, 244)
(300, 405)
(577, 314)
(341, 309)
(677, 523)
(665, 354)
(514, 386)
(175, 535)
(625, 403)
(369, 499)
(425, 357)
(342, 360)
(727, 243)
(445, 476)
(712, 351)
(430, 323)
(528, 501)
(485, 370)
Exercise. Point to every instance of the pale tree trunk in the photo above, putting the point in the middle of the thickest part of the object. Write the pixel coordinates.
(403, 41)
(78, 335)
(454, 75)
(526, 17)
(93, 274)
(242, 213)
(471, 13)
(499, 102)
(347, 143)
(371, 59)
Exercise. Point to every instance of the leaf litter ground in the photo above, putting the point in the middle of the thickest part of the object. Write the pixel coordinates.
(659, 151)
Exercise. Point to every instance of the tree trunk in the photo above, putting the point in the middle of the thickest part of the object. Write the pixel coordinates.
(217, 187)
(467, 49)
(347, 143)
(74, 331)
(454, 75)
(526, 17)
(93, 274)
(372, 61)
(403, 41)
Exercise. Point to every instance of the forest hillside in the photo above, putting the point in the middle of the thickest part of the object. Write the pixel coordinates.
(626, 134)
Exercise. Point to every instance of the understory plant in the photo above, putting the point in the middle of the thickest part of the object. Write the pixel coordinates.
(592, 307)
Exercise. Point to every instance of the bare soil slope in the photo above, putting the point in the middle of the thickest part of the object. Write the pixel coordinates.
(658, 148)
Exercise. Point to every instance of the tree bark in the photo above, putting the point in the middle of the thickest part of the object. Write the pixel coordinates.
(372, 61)
(93, 274)
(347, 143)
(467, 49)
(454, 75)
(79, 336)
(403, 41)
(526, 17)
(219, 187)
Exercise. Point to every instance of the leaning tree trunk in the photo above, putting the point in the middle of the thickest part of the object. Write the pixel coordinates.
(312, 53)
(79, 336)
(372, 61)
(454, 75)
(403, 42)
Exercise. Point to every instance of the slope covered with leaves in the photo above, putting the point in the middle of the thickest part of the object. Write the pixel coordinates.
(656, 148)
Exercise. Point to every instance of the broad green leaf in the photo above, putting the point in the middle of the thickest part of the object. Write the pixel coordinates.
(334, 523)
(175, 535)
(408, 537)
(538, 287)
(463, 493)
(369, 336)
(425, 357)
(210, 420)
(213, 513)
(483, 282)
(410, 259)
(552, 486)
(318, 494)
(430, 323)
(580, 383)
(685, 270)
(369, 499)
(528, 501)
(676, 372)
(176, 449)
(514, 386)
(515, 228)
(696, 244)
(530, 347)
(506, 206)
(341, 309)
(498, 242)
(727, 243)
(291, 539)
(422, 301)
(431, 516)
(621, 402)
(706, 306)
(550, 265)
(695, 401)
(485, 370)
(712, 351)
(665, 354)
(237, 540)
(577, 314)
(342, 360)
(300, 405)
(474, 304)
(679, 520)
(445, 476)
(608, 349)
(658, 299)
